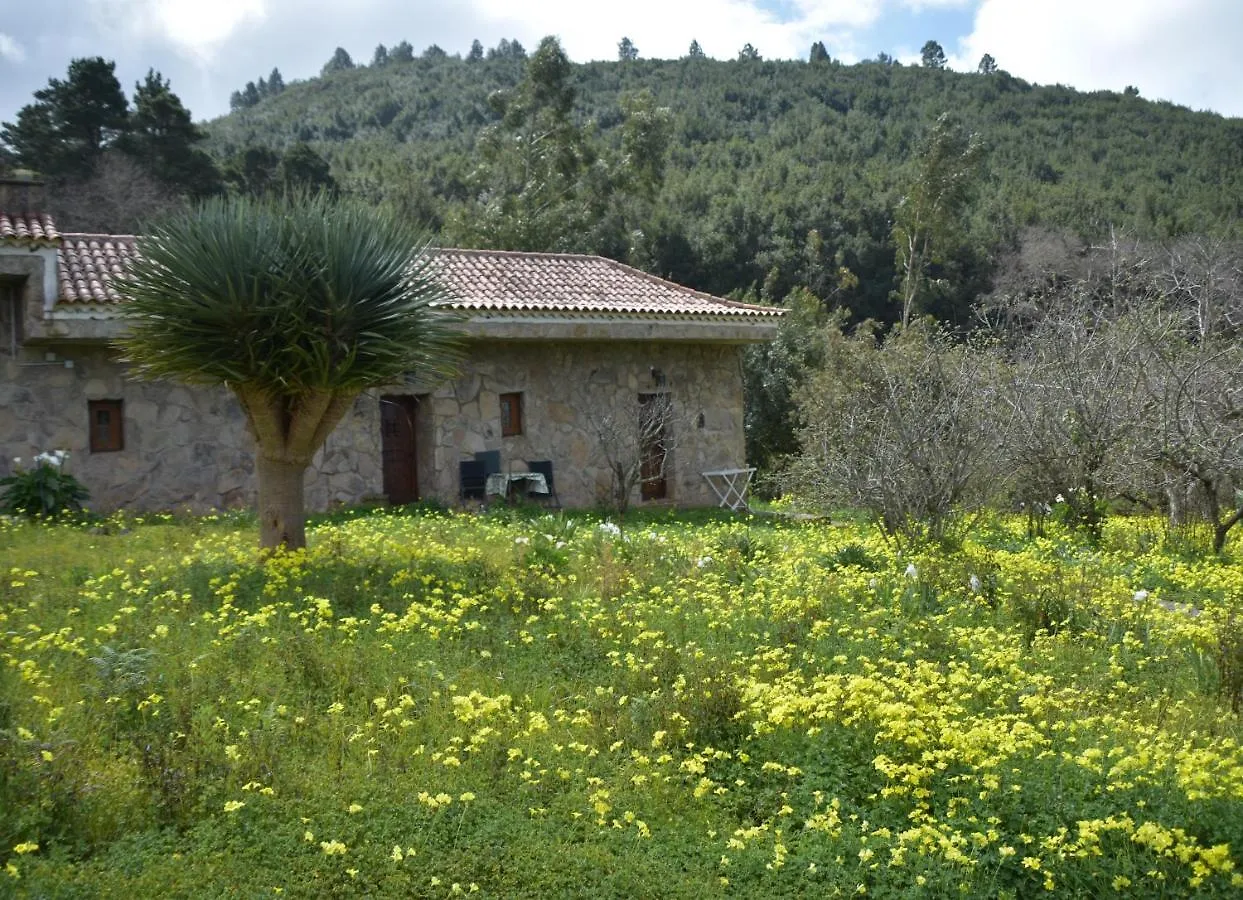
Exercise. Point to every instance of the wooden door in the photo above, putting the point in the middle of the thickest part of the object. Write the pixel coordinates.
(397, 447)
(653, 434)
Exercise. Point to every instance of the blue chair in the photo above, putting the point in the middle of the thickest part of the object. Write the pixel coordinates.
(544, 467)
(472, 480)
(491, 460)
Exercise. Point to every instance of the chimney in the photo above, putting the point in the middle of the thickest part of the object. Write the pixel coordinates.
(21, 193)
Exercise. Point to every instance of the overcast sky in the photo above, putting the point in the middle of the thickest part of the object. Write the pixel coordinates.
(1180, 50)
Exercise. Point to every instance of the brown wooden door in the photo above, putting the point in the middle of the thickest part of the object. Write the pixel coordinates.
(653, 431)
(397, 446)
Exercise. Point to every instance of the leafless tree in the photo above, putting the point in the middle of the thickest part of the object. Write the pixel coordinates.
(906, 428)
(1193, 374)
(1128, 380)
(635, 439)
(1075, 392)
(116, 198)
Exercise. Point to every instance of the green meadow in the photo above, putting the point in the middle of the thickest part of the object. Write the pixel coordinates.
(436, 704)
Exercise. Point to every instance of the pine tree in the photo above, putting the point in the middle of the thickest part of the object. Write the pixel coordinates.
(339, 62)
(818, 53)
(695, 51)
(626, 50)
(380, 57)
(988, 65)
(402, 52)
(932, 56)
(71, 122)
(276, 84)
(476, 51)
(162, 139)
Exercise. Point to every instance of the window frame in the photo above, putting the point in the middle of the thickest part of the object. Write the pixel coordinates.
(512, 424)
(114, 440)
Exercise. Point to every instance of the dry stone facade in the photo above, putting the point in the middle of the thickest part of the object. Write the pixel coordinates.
(188, 447)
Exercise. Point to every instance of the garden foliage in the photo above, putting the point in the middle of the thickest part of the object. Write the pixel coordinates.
(432, 705)
(44, 489)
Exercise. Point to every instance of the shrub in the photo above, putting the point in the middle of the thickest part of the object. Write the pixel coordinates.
(45, 489)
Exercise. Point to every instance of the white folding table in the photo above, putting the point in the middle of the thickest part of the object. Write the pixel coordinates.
(730, 487)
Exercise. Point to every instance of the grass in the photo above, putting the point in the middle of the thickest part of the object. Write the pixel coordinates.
(521, 705)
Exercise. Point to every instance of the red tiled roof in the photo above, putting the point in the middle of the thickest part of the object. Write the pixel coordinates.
(89, 262)
(32, 228)
(483, 280)
(508, 281)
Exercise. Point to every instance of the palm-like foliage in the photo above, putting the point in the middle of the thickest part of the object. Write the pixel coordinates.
(297, 306)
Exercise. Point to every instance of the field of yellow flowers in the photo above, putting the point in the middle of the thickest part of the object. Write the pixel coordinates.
(442, 704)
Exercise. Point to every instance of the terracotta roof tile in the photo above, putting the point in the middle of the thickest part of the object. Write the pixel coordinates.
(507, 281)
(484, 280)
(89, 262)
(27, 228)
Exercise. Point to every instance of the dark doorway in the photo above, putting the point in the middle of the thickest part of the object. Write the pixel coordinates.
(654, 447)
(397, 447)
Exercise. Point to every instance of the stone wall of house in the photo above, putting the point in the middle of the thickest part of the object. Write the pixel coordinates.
(188, 447)
(565, 385)
(184, 447)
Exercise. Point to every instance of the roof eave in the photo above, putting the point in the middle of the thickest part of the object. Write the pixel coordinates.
(620, 327)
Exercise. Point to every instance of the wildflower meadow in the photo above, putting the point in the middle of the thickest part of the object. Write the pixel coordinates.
(437, 704)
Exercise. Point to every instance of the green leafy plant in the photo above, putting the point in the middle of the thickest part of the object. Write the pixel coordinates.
(44, 489)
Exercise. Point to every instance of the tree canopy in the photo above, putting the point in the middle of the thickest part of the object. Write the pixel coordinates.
(72, 121)
(296, 305)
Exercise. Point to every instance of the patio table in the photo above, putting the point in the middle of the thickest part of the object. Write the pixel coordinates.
(500, 484)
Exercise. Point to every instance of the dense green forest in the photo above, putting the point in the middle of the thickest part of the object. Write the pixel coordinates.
(729, 176)
(778, 174)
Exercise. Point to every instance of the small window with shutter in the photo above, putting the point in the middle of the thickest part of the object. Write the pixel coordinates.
(511, 414)
(107, 431)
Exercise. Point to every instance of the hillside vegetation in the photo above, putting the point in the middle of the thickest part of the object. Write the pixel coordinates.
(433, 705)
(762, 154)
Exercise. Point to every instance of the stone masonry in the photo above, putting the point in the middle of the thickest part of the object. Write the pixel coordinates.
(188, 447)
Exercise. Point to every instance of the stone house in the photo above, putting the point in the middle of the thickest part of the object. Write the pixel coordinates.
(556, 344)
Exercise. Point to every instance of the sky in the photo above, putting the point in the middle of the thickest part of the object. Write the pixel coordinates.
(1184, 51)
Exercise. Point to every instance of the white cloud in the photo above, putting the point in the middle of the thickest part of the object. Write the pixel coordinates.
(194, 27)
(1185, 52)
(10, 49)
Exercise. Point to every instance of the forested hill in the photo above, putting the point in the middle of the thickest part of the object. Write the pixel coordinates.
(778, 173)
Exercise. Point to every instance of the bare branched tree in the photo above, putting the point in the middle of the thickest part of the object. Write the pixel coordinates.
(1075, 392)
(635, 440)
(117, 197)
(1193, 374)
(1127, 380)
(906, 429)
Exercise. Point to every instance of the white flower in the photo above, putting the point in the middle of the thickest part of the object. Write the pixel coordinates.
(522, 540)
(17, 460)
(911, 571)
(1059, 499)
(1141, 595)
(975, 584)
(610, 528)
(703, 561)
